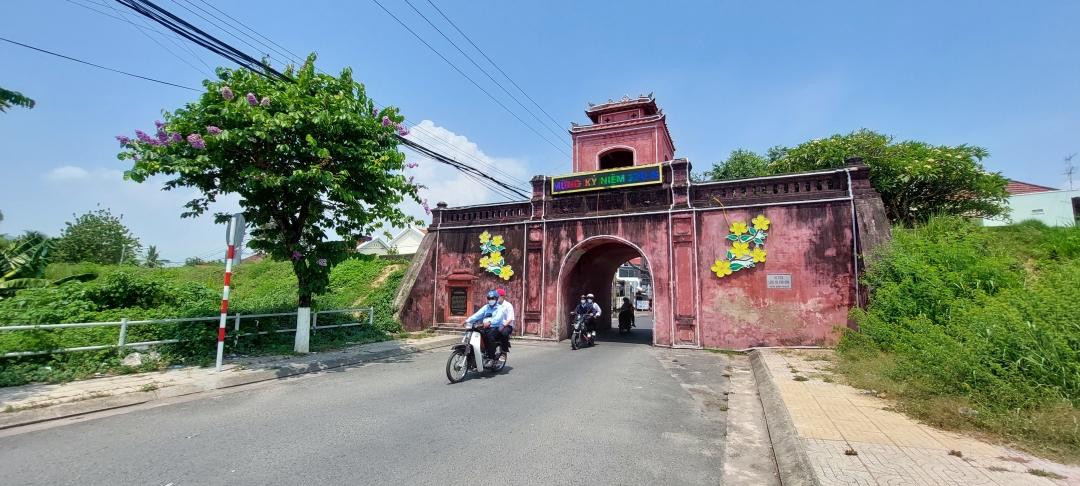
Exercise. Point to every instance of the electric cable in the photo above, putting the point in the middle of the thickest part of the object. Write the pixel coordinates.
(97, 66)
(522, 105)
(179, 44)
(468, 78)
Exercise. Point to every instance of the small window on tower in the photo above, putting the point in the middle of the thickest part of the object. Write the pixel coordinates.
(616, 158)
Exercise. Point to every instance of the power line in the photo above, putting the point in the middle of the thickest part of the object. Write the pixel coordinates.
(493, 64)
(470, 79)
(170, 38)
(460, 166)
(95, 65)
(252, 30)
(211, 22)
(542, 123)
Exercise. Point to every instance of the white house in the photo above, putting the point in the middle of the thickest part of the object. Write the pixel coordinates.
(408, 241)
(405, 243)
(1054, 207)
(374, 247)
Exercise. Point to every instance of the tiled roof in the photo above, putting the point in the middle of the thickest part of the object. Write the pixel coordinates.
(1016, 188)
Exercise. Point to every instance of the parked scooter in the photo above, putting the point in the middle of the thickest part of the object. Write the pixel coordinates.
(465, 355)
(581, 336)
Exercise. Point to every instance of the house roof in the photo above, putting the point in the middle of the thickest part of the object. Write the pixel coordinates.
(1016, 188)
(406, 231)
(374, 242)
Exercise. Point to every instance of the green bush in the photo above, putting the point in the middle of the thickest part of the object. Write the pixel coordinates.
(143, 293)
(986, 316)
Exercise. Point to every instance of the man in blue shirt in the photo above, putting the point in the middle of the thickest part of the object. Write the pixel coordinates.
(493, 317)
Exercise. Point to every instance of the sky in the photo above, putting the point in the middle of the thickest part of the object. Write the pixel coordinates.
(729, 75)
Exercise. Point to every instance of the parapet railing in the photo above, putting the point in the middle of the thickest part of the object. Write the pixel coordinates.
(477, 215)
(782, 188)
(125, 323)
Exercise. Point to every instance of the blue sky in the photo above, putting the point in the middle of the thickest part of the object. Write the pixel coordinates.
(729, 75)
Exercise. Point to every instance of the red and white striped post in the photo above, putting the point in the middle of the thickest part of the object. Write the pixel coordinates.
(224, 306)
(234, 236)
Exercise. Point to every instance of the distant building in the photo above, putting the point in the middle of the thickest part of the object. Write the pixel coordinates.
(405, 243)
(1054, 207)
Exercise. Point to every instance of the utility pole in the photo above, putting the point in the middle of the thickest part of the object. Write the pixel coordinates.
(1070, 170)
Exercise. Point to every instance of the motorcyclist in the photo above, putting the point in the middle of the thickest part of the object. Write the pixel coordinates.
(589, 309)
(508, 321)
(492, 316)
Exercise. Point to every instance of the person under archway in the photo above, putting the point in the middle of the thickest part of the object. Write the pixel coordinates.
(589, 309)
(626, 314)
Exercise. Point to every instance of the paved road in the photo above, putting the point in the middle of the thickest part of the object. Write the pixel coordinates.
(617, 413)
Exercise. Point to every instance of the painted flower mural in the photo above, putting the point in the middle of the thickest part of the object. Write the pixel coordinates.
(493, 261)
(740, 255)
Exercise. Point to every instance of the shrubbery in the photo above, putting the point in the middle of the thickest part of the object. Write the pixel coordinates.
(982, 318)
(142, 293)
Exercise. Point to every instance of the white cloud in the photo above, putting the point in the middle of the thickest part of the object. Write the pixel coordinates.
(66, 172)
(446, 184)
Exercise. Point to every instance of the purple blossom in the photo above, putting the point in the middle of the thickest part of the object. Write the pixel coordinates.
(265, 101)
(213, 130)
(157, 123)
(123, 140)
(162, 136)
(196, 141)
(226, 93)
(426, 208)
(404, 132)
(177, 138)
(136, 157)
(412, 165)
(321, 262)
(411, 178)
(386, 121)
(366, 239)
(374, 112)
(297, 255)
(143, 137)
(252, 100)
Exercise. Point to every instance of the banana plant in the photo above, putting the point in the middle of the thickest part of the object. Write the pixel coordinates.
(23, 262)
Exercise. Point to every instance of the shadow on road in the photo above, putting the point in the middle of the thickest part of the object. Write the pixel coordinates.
(642, 333)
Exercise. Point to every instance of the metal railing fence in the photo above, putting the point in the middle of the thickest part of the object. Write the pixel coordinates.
(125, 323)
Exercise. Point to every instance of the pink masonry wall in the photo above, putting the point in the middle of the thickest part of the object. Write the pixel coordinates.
(812, 243)
(649, 142)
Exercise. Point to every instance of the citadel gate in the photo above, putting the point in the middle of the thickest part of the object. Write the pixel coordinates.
(734, 264)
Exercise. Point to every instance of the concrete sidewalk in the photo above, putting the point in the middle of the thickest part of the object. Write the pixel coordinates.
(38, 402)
(850, 437)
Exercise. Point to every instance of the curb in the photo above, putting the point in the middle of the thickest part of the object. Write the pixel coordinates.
(792, 462)
(71, 409)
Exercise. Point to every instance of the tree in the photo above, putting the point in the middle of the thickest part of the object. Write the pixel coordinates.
(23, 262)
(306, 157)
(153, 258)
(9, 98)
(743, 164)
(916, 180)
(96, 237)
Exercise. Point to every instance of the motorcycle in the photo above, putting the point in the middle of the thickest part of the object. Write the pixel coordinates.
(581, 336)
(626, 320)
(464, 355)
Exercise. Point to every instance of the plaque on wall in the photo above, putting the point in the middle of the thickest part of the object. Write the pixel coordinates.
(459, 301)
(778, 280)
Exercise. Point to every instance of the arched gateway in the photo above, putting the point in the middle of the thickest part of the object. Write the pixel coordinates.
(765, 261)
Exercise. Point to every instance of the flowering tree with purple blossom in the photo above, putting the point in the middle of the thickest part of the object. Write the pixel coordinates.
(307, 159)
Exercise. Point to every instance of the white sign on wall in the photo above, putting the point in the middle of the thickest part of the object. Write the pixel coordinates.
(778, 280)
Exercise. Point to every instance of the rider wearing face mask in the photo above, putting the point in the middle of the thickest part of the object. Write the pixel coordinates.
(590, 310)
(492, 316)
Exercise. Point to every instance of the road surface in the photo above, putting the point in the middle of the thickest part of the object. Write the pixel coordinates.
(617, 413)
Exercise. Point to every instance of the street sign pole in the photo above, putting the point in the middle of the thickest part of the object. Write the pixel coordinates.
(234, 236)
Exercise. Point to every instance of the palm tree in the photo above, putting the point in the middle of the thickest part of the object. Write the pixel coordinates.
(153, 258)
(23, 262)
(9, 98)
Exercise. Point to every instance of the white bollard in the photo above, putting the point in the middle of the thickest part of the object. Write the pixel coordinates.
(303, 329)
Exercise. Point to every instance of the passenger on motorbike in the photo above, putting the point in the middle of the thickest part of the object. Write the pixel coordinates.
(590, 310)
(492, 316)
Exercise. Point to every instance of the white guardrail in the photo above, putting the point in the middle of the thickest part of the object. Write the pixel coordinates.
(124, 323)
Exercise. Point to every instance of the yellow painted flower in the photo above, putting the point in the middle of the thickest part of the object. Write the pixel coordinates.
(738, 228)
(761, 222)
(740, 249)
(484, 262)
(485, 237)
(506, 272)
(497, 241)
(758, 254)
(721, 268)
(496, 257)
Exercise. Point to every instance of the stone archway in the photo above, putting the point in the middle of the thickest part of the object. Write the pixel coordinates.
(589, 267)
